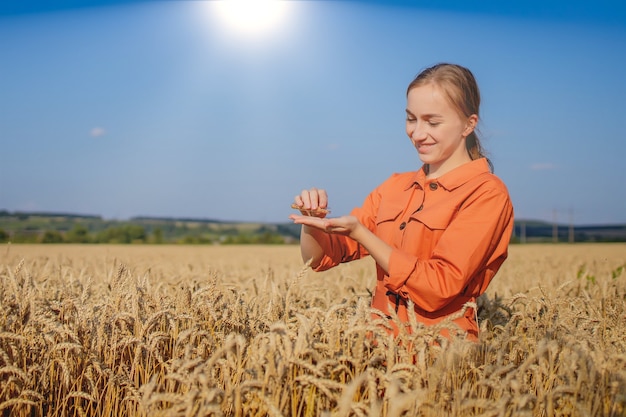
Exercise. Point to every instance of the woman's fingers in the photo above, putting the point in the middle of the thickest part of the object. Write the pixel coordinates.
(313, 198)
(318, 212)
(316, 222)
(312, 202)
(322, 199)
(340, 225)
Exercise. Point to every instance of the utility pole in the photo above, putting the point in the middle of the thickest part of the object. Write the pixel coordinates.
(555, 227)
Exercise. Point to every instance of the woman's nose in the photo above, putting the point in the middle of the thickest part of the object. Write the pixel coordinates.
(417, 133)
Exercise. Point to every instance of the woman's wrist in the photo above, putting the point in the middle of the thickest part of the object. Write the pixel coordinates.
(359, 232)
(377, 248)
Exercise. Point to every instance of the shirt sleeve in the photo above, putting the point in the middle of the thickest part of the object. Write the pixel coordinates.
(472, 247)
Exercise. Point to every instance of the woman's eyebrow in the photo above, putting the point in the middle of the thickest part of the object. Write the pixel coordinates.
(424, 116)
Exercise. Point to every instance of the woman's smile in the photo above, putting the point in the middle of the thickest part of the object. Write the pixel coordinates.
(425, 147)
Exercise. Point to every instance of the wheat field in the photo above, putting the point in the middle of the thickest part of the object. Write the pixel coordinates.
(248, 331)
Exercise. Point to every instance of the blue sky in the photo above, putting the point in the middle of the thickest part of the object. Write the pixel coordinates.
(121, 108)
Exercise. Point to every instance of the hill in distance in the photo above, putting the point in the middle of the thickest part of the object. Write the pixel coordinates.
(197, 230)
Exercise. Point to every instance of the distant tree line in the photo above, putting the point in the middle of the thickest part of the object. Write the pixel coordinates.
(39, 227)
(80, 234)
(134, 234)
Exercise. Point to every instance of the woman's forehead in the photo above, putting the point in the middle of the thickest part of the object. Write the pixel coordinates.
(429, 98)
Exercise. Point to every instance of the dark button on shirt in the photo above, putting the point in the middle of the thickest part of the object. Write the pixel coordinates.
(433, 186)
(402, 225)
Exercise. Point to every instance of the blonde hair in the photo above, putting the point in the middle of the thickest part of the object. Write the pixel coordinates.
(460, 86)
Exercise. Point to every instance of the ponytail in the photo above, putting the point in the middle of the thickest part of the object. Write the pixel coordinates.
(472, 144)
(475, 149)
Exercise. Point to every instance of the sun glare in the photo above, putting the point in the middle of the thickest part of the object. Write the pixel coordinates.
(251, 16)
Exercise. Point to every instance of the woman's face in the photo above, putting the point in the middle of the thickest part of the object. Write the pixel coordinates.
(437, 130)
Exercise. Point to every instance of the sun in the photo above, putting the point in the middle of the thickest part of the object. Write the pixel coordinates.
(251, 16)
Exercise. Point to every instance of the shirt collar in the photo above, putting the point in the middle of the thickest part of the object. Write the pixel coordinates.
(418, 177)
(454, 178)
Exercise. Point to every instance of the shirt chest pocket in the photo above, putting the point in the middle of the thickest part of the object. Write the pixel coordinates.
(426, 228)
(435, 217)
(388, 213)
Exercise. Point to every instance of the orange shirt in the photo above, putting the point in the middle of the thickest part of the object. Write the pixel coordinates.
(449, 237)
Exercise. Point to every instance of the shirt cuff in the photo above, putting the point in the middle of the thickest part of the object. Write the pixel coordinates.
(401, 267)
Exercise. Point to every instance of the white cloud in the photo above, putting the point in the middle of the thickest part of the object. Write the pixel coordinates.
(96, 132)
(542, 166)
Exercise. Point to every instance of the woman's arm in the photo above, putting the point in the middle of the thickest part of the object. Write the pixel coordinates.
(329, 241)
(314, 228)
(310, 247)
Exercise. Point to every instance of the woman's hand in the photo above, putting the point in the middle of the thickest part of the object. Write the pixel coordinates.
(345, 225)
(312, 202)
(313, 205)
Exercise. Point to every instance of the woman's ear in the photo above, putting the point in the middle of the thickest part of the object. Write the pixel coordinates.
(472, 121)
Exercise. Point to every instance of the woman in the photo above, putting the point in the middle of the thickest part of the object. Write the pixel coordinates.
(439, 234)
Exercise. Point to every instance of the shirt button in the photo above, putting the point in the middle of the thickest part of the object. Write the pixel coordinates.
(402, 225)
(433, 186)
